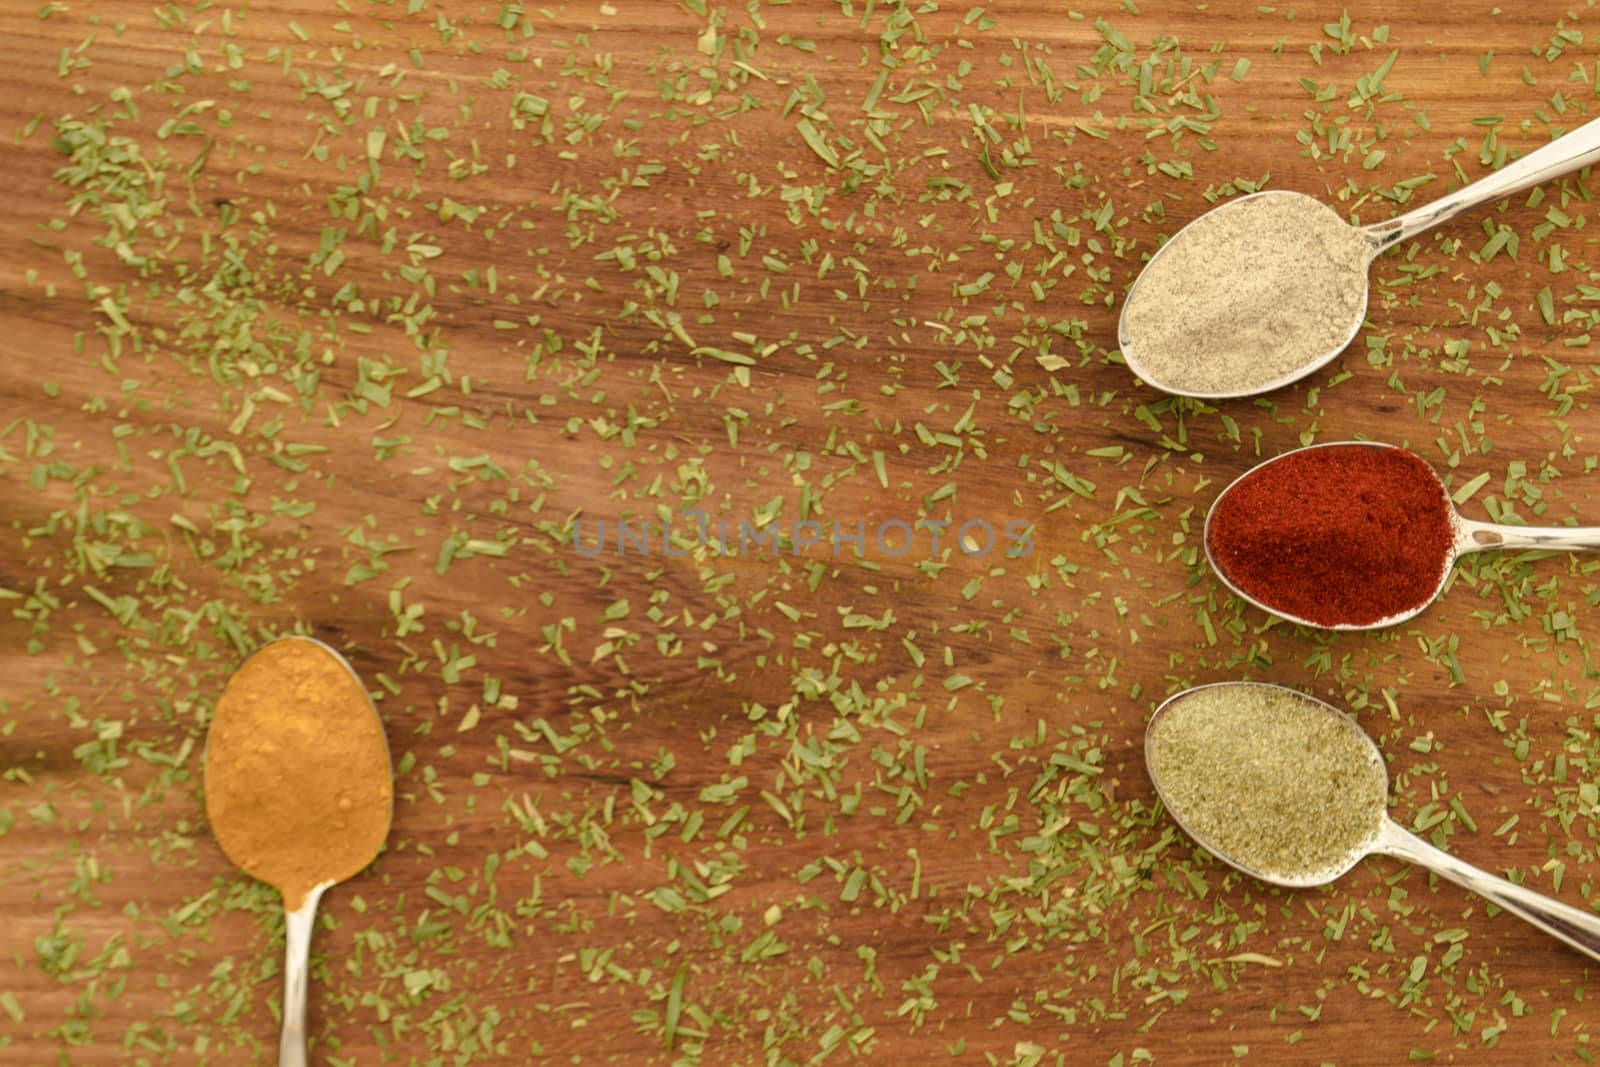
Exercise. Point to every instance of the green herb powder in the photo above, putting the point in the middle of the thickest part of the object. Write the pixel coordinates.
(1269, 779)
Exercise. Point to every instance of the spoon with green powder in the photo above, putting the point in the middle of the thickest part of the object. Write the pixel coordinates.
(1353, 535)
(1291, 791)
(1269, 287)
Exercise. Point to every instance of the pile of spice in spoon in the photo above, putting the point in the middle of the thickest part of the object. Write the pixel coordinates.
(298, 785)
(299, 791)
(1291, 790)
(1342, 535)
(1268, 778)
(1246, 297)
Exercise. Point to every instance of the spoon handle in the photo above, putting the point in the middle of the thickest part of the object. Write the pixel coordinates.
(1477, 536)
(1569, 152)
(1578, 928)
(297, 962)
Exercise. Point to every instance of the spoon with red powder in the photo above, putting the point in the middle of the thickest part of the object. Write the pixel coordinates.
(1352, 536)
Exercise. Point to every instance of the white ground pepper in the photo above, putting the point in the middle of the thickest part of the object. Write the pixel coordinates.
(1269, 778)
(1246, 294)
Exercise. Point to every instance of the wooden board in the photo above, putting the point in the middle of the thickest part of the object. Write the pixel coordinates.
(361, 322)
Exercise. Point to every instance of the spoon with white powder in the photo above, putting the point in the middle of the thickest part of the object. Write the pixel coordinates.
(1269, 287)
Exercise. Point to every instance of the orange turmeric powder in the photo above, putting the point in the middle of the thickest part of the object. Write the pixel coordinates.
(298, 785)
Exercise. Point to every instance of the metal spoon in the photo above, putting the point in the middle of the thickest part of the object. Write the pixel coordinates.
(1578, 928)
(259, 674)
(297, 927)
(1573, 151)
(1471, 535)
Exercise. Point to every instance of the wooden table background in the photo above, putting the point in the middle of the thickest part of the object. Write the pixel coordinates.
(344, 319)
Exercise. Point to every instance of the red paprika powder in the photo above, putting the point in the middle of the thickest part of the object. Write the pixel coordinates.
(1339, 535)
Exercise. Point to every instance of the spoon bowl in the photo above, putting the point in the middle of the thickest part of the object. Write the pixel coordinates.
(1466, 536)
(1573, 151)
(298, 790)
(1330, 279)
(1577, 928)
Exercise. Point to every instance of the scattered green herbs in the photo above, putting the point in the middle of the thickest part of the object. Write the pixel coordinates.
(344, 324)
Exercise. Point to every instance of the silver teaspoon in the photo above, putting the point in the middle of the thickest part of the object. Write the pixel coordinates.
(338, 795)
(1194, 790)
(1466, 536)
(1573, 151)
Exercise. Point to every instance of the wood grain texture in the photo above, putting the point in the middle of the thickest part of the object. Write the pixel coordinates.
(784, 804)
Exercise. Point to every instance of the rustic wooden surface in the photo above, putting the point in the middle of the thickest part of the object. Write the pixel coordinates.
(777, 806)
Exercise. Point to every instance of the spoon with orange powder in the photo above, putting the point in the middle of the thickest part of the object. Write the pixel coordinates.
(299, 790)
